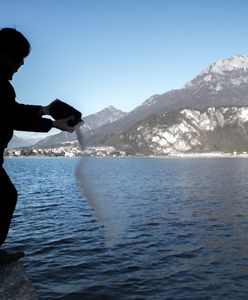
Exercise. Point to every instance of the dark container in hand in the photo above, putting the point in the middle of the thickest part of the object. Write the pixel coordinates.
(61, 110)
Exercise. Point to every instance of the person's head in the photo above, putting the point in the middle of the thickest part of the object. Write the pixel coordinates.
(14, 47)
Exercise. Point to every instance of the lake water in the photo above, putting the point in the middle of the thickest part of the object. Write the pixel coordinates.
(173, 228)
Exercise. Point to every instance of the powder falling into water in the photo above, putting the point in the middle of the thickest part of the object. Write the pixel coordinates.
(106, 214)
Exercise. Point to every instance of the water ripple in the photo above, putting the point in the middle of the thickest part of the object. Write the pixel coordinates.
(182, 229)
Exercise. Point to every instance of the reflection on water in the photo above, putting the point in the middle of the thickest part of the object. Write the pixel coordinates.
(183, 226)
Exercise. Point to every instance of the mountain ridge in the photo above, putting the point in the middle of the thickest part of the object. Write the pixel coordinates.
(187, 130)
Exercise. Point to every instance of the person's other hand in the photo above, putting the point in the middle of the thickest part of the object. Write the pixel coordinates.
(62, 124)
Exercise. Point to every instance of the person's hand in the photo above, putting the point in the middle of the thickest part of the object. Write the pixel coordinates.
(44, 110)
(62, 124)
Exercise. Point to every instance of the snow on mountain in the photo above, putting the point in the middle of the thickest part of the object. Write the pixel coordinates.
(193, 127)
(233, 63)
(188, 130)
(232, 71)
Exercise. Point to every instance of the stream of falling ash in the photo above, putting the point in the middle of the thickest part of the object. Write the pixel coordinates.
(106, 214)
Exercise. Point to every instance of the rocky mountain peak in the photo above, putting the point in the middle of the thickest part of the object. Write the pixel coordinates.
(107, 115)
(110, 108)
(233, 63)
(225, 73)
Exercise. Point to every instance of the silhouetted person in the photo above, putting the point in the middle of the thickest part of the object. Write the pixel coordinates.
(14, 47)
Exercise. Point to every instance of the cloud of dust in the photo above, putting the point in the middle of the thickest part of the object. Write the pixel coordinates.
(106, 215)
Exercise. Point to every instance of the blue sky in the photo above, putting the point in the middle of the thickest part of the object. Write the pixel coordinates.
(96, 53)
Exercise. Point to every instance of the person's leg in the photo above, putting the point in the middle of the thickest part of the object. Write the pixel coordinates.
(8, 199)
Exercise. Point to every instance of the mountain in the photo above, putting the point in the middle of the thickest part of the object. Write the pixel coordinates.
(224, 83)
(105, 116)
(189, 130)
(91, 123)
(17, 142)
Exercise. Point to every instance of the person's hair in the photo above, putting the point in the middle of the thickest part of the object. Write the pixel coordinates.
(14, 44)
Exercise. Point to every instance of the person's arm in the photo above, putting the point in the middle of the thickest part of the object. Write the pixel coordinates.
(30, 118)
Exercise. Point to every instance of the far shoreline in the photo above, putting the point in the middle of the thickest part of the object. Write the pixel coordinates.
(167, 156)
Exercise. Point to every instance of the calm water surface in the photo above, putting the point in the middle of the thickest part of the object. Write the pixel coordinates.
(178, 227)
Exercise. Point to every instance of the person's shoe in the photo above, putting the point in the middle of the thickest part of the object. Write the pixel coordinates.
(7, 257)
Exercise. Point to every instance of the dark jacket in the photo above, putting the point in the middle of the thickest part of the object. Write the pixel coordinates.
(15, 116)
